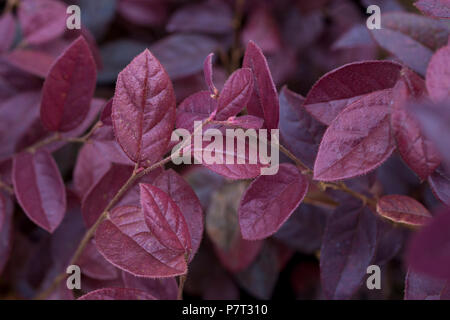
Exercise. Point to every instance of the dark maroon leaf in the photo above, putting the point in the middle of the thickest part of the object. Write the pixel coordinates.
(213, 16)
(235, 94)
(341, 87)
(270, 200)
(246, 122)
(184, 197)
(299, 131)
(39, 188)
(264, 100)
(164, 219)
(440, 184)
(348, 248)
(42, 20)
(418, 152)
(125, 240)
(428, 251)
(93, 265)
(422, 287)
(403, 209)
(390, 241)
(143, 110)
(69, 88)
(105, 116)
(161, 289)
(438, 75)
(144, 13)
(358, 140)
(411, 38)
(434, 8)
(117, 294)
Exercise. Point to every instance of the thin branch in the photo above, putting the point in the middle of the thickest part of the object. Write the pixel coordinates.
(6, 187)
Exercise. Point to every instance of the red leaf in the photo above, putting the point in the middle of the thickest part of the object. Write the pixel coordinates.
(411, 38)
(403, 209)
(440, 184)
(143, 110)
(161, 289)
(264, 100)
(39, 188)
(235, 94)
(42, 20)
(270, 200)
(117, 294)
(7, 31)
(422, 287)
(208, 73)
(6, 230)
(69, 88)
(434, 8)
(263, 29)
(348, 248)
(206, 17)
(438, 75)
(37, 63)
(125, 240)
(299, 131)
(428, 250)
(246, 122)
(105, 116)
(341, 87)
(164, 219)
(418, 152)
(186, 199)
(196, 107)
(358, 140)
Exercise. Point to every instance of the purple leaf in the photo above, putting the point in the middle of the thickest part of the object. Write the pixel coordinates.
(164, 219)
(6, 230)
(264, 100)
(341, 87)
(148, 13)
(440, 184)
(246, 122)
(208, 73)
(263, 29)
(7, 31)
(411, 38)
(235, 94)
(117, 294)
(37, 63)
(183, 54)
(270, 200)
(422, 287)
(428, 250)
(299, 131)
(434, 8)
(185, 198)
(403, 209)
(39, 188)
(208, 17)
(69, 88)
(161, 289)
(143, 110)
(196, 107)
(125, 240)
(438, 75)
(42, 20)
(348, 248)
(358, 140)
(105, 116)
(93, 265)
(418, 152)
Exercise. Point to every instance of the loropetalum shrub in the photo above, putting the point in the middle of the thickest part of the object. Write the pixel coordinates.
(364, 177)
